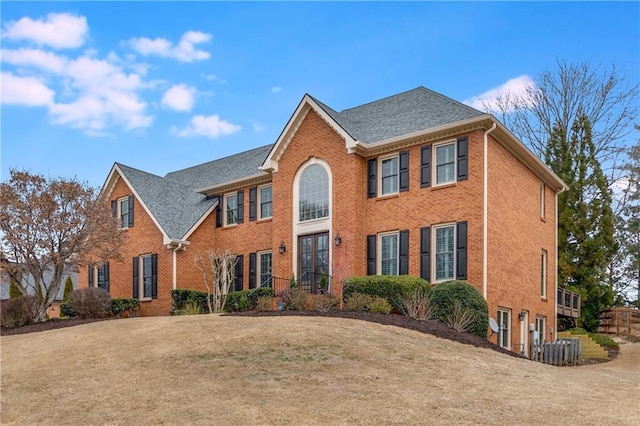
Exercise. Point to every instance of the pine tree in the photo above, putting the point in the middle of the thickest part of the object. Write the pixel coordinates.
(585, 219)
(14, 291)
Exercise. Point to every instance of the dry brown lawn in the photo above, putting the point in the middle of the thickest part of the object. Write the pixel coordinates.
(295, 370)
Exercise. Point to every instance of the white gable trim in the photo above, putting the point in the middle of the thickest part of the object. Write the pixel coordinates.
(116, 173)
(306, 104)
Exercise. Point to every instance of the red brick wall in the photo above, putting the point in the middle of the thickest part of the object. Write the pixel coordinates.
(516, 237)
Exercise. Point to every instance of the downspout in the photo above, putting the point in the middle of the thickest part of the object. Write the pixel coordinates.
(555, 279)
(175, 269)
(485, 208)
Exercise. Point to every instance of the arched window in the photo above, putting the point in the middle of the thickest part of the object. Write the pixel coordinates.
(314, 193)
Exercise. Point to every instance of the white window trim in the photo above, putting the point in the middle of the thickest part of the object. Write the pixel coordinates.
(379, 250)
(540, 320)
(542, 201)
(119, 210)
(434, 162)
(310, 226)
(141, 295)
(259, 202)
(259, 266)
(543, 274)
(226, 204)
(379, 173)
(502, 330)
(433, 250)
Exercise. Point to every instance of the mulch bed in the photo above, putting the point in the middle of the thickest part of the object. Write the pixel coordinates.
(430, 327)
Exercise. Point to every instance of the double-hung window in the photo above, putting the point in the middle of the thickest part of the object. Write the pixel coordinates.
(542, 201)
(264, 268)
(265, 201)
(445, 161)
(145, 276)
(504, 332)
(543, 274)
(389, 254)
(122, 210)
(444, 249)
(389, 169)
(231, 212)
(103, 276)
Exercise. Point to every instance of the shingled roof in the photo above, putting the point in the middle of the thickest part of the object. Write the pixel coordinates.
(401, 114)
(223, 170)
(175, 207)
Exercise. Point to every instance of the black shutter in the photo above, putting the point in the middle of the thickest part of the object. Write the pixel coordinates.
(252, 270)
(114, 208)
(404, 171)
(463, 160)
(154, 276)
(90, 275)
(240, 206)
(106, 275)
(403, 268)
(130, 211)
(136, 282)
(252, 203)
(371, 254)
(219, 212)
(425, 256)
(425, 166)
(239, 273)
(372, 165)
(461, 251)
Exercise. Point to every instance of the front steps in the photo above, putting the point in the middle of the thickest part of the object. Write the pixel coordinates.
(590, 349)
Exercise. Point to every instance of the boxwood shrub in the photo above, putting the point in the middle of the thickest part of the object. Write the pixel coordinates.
(389, 287)
(125, 306)
(181, 297)
(443, 298)
(237, 301)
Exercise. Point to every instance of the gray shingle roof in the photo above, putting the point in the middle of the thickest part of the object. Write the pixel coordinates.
(401, 114)
(223, 170)
(176, 207)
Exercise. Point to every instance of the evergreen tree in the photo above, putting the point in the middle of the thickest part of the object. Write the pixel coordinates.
(14, 291)
(585, 219)
(68, 288)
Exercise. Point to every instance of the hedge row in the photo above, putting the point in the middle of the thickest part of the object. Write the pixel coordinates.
(389, 287)
(236, 300)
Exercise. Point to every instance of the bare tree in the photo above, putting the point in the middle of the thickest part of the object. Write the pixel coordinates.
(558, 96)
(218, 269)
(49, 227)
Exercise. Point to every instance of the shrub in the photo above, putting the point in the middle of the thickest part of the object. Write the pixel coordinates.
(460, 319)
(14, 291)
(128, 307)
(295, 299)
(379, 305)
(181, 297)
(190, 308)
(68, 288)
(19, 311)
(443, 299)
(390, 287)
(237, 301)
(415, 304)
(266, 303)
(92, 302)
(366, 303)
(321, 302)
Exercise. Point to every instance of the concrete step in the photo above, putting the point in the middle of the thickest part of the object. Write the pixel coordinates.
(590, 349)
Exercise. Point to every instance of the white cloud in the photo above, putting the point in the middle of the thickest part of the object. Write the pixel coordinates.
(276, 89)
(208, 126)
(34, 58)
(515, 87)
(59, 30)
(179, 97)
(184, 51)
(28, 91)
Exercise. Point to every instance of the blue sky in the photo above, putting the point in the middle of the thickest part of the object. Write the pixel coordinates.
(161, 86)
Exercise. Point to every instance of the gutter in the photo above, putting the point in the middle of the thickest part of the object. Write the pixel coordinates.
(485, 207)
(176, 245)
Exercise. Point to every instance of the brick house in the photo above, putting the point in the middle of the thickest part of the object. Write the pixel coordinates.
(415, 183)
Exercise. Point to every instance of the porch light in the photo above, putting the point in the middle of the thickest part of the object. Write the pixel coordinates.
(521, 315)
(337, 240)
(282, 247)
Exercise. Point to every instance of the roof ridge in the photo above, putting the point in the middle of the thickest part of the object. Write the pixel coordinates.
(382, 99)
(217, 159)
